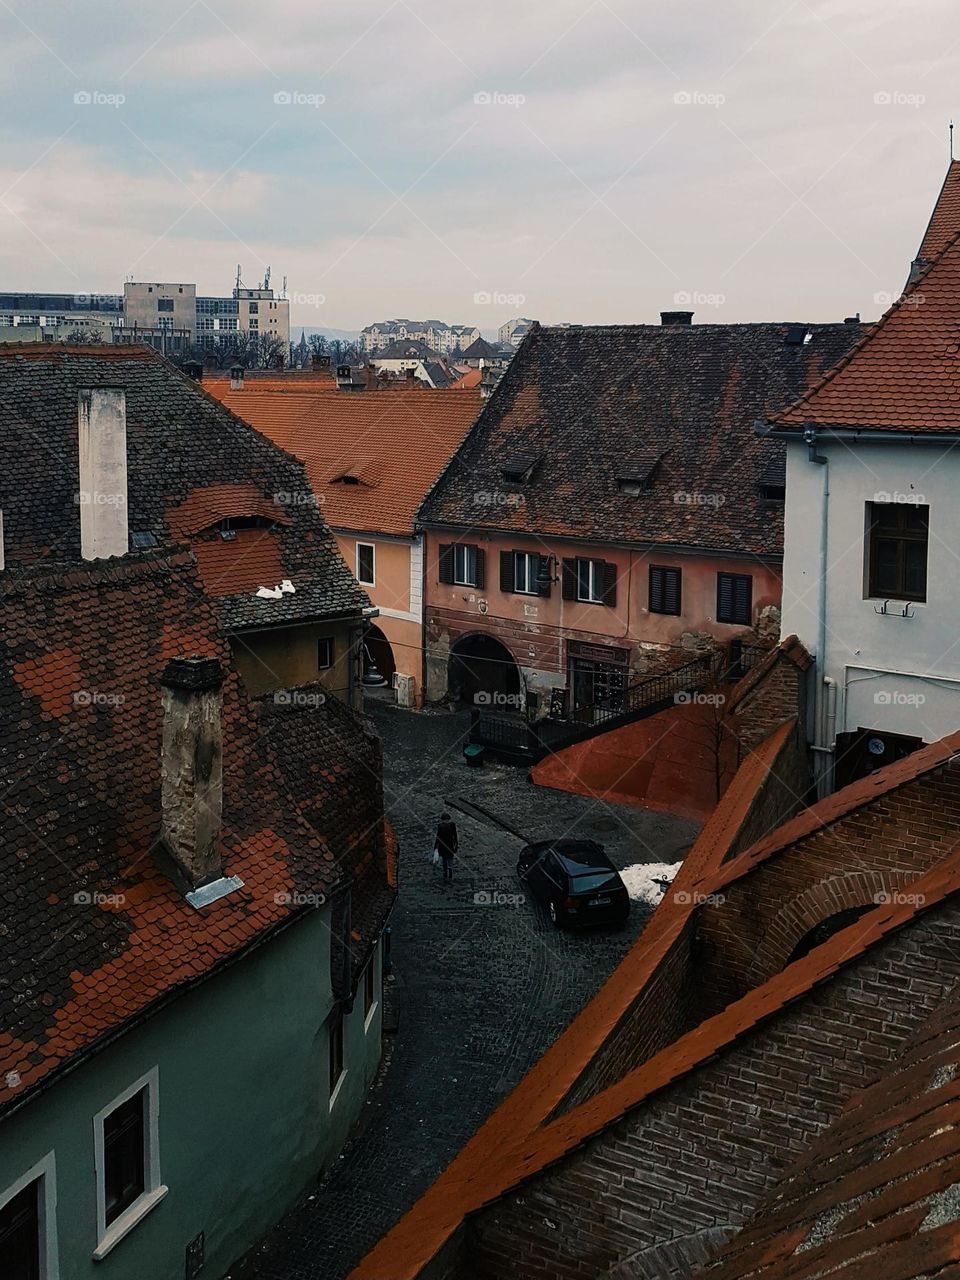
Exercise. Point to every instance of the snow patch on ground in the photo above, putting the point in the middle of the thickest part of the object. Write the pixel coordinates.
(640, 880)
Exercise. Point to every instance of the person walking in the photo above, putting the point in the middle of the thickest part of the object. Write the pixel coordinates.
(446, 844)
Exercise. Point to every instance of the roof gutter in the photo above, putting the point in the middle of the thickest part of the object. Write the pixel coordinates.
(771, 431)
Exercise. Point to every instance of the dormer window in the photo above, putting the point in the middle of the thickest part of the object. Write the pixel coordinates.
(772, 481)
(520, 468)
(347, 478)
(638, 474)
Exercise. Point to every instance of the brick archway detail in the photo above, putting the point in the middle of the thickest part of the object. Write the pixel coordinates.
(818, 903)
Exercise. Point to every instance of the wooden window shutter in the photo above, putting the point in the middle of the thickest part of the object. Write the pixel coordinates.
(506, 570)
(568, 580)
(481, 567)
(446, 562)
(671, 591)
(744, 598)
(543, 571)
(724, 597)
(609, 583)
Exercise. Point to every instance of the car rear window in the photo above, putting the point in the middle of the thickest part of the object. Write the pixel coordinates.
(591, 883)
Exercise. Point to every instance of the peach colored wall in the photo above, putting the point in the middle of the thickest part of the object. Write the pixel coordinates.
(630, 618)
(391, 590)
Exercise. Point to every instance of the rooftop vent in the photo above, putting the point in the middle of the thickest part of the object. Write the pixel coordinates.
(797, 335)
(676, 317)
(236, 378)
(855, 319)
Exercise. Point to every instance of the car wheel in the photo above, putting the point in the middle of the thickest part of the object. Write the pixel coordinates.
(554, 915)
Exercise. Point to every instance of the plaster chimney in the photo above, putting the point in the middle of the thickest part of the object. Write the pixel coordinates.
(102, 431)
(236, 378)
(192, 767)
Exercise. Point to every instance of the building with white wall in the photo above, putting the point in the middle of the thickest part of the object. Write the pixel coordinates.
(872, 532)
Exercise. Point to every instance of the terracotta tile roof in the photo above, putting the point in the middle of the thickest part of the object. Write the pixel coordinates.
(903, 376)
(190, 463)
(945, 220)
(878, 1187)
(395, 443)
(498, 1150)
(249, 561)
(498, 1160)
(95, 934)
(587, 398)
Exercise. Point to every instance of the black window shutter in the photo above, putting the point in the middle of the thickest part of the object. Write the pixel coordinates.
(568, 580)
(446, 562)
(724, 597)
(506, 571)
(481, 567)
(657, 593)
(744, 599)
(609, 583)
(671, 591)
(543, 576)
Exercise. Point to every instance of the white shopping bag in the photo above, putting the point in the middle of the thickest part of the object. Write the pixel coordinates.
(435, 857)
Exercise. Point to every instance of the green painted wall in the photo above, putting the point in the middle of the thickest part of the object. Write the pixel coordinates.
(245, 1122)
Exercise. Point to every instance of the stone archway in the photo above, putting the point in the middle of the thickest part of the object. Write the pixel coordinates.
(482, 672)
(836, 897)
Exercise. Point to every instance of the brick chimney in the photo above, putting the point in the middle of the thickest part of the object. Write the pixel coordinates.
(192, 767)
(102, 499)
(676, 317)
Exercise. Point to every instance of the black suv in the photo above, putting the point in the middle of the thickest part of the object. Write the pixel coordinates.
(576, 881)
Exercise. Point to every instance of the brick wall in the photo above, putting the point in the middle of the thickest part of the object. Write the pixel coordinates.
(875, 850)
(662, 1187)
(665, 1008)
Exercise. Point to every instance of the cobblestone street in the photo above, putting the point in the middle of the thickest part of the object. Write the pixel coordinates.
(478, 990)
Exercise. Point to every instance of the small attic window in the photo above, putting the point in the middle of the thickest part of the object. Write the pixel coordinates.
(346, 478)
(797, 335)
(638, 474)
(228, 526)
(772, 480)
(773, 492)
(142, 539)
(520, 468)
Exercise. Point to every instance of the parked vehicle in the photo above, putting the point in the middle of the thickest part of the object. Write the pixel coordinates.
(576, 882)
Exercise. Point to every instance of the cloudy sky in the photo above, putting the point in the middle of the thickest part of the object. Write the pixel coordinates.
(567, 160)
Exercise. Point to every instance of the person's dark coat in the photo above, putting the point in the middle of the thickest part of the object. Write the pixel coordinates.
(447, 839)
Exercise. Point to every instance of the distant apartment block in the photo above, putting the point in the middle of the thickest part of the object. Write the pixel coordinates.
(514, 331)
(438, 335)
(167, 316)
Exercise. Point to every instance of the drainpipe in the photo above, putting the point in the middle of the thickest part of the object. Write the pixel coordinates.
(821, 744)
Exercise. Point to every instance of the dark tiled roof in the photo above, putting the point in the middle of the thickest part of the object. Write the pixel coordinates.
(904, 375)
(190, 463)
(590, 397)
(480, 349)
(94, 933)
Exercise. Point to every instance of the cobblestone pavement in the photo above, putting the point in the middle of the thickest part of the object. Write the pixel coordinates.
(481, 989)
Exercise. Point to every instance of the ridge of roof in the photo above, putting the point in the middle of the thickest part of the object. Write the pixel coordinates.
(508, 1166)
(841, 804)
(786, 415)
(791, 647)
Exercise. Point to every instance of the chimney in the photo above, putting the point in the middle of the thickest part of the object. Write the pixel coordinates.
(192, 767)
(236, 378)
(102, 432)
(676, 317)
(194, 369)
(855, 319)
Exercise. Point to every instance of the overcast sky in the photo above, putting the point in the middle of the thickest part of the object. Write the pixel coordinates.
(772, 159)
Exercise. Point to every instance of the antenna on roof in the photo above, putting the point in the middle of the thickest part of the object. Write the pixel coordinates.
(951, 142)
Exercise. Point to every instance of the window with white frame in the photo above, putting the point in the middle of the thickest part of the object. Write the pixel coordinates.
(365, 563)
(590, 581)
(526, 566)
(28, 1226)
(126, 1143)
(464, 564)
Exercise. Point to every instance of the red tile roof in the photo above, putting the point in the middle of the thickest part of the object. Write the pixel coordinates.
(395, 442)
(904, 376)
(519, 1139)
(95, 932)
(945, 220)
(878, 1188)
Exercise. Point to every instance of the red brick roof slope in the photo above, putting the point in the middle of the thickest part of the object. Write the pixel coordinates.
(674, 405)
(881, 1187)
(395, 443)
(190, 462)
(904, 376)
(945, 220)
(486, 1170)
(94, 932)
